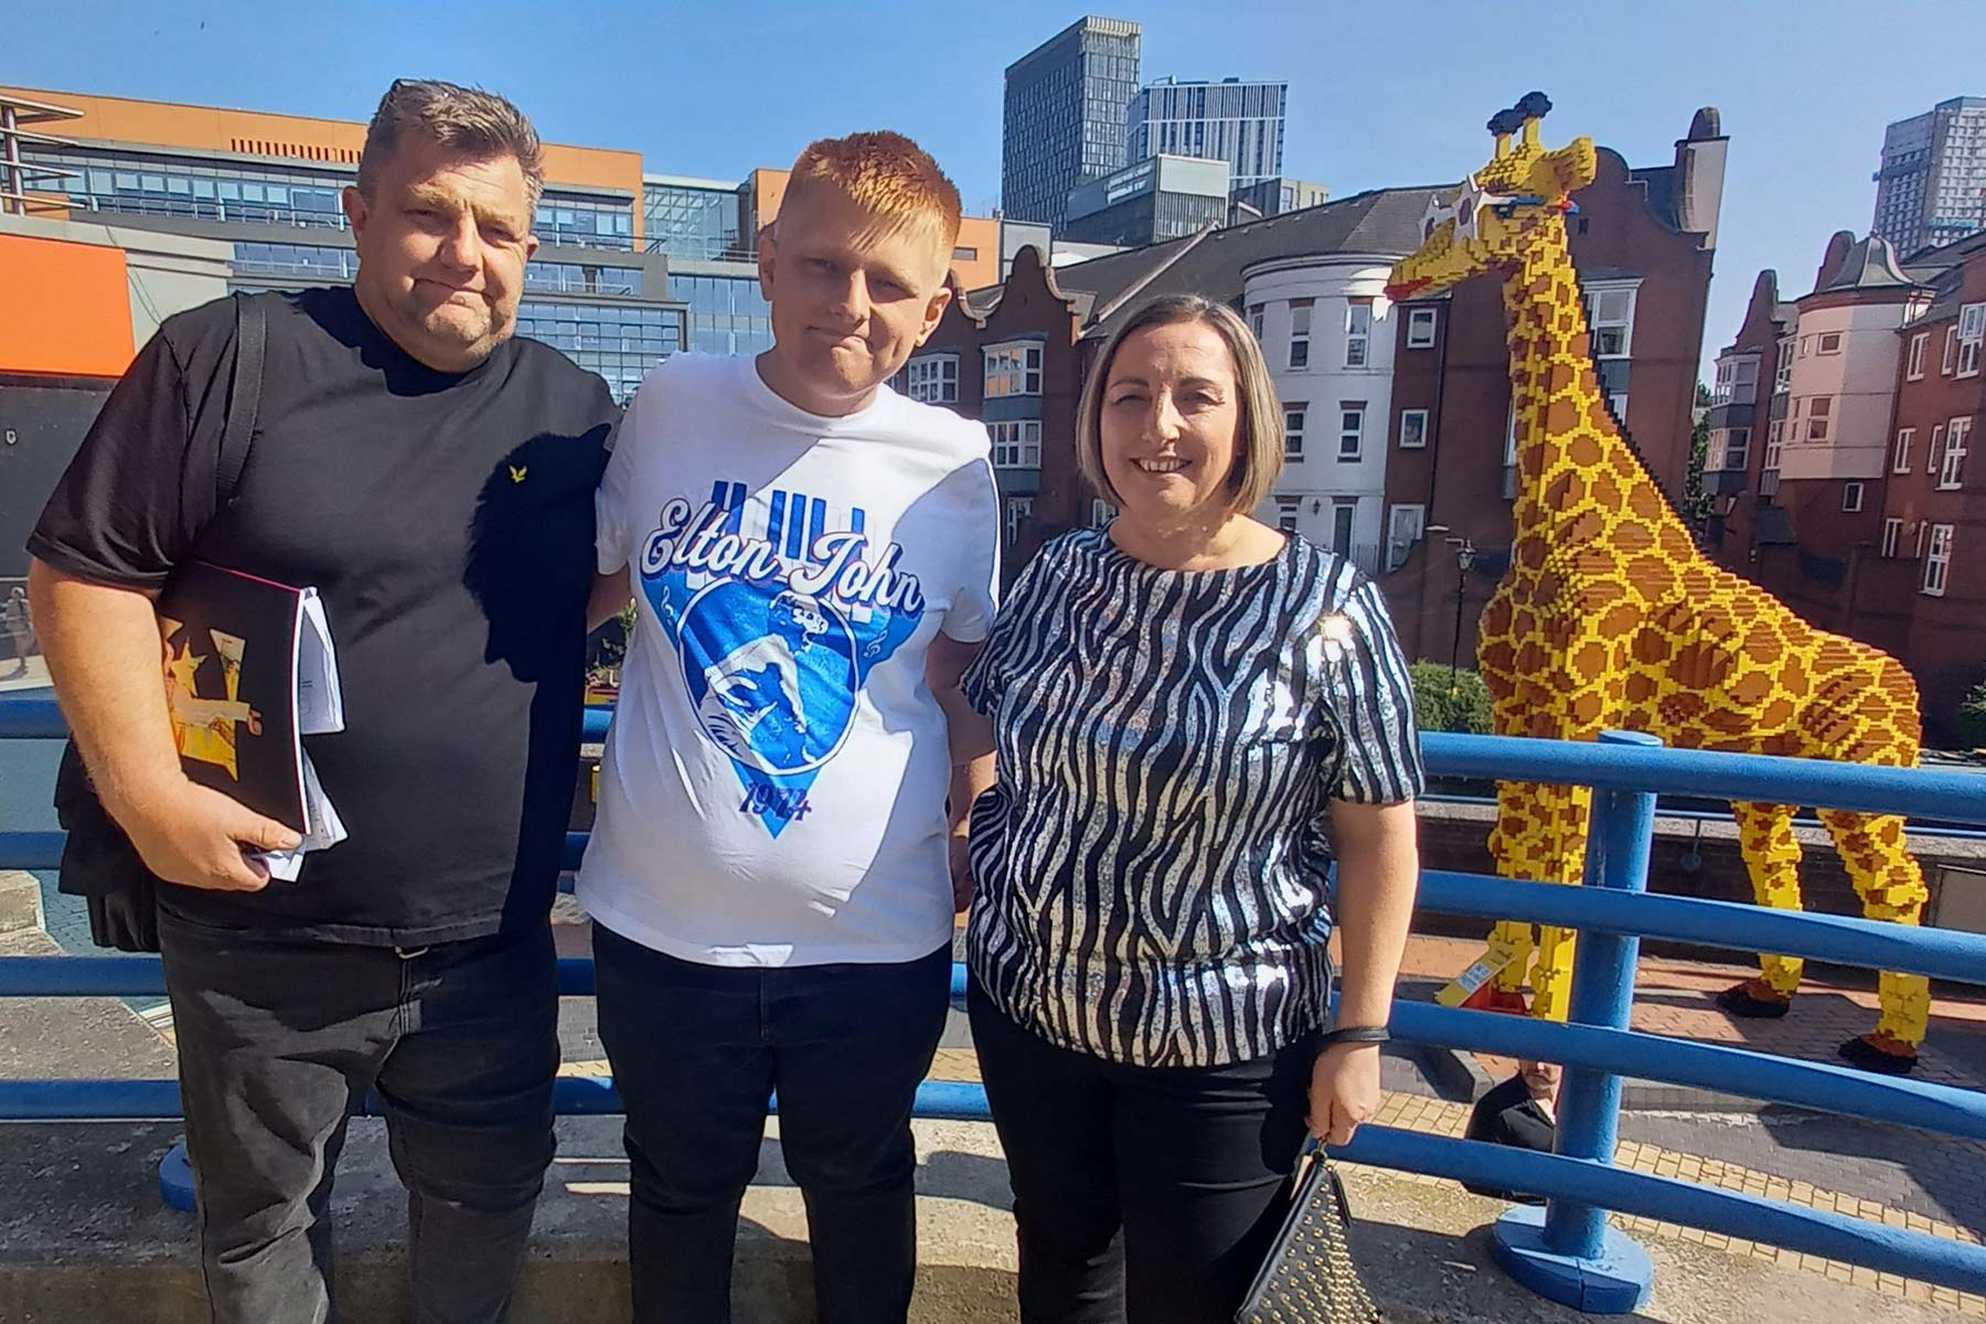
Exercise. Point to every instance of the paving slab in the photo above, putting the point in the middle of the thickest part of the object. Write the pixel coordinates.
(83, 1236)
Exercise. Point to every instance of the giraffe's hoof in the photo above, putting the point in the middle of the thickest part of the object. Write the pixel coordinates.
(1754, 1000)
(1879, 1052)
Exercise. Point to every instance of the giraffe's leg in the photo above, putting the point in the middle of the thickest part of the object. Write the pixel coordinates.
(1772, 856)
(1517, 845)
(1891, 886)
(1567, 810)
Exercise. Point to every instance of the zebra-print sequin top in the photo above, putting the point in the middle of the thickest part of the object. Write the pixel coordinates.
(1152, 859)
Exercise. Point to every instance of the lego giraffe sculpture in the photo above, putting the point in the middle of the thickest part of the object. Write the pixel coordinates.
(1609, 617)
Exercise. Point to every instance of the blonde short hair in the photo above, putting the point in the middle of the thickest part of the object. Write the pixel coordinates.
(1258, 451)
(468, 120)
(886, 175)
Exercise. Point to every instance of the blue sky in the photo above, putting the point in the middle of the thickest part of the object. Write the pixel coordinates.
(1380, 94)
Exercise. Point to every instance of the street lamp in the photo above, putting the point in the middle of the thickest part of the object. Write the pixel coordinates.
(1465, 556)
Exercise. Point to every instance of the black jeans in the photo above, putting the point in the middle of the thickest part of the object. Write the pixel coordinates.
(278, 1039)
(1147, 1194)
(696, 1050)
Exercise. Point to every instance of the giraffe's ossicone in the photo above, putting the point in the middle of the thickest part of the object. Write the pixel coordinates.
(1609, 616)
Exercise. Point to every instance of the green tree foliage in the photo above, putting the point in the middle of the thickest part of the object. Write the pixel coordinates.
(1972, 718)
(1445, 702)
(1696, 501)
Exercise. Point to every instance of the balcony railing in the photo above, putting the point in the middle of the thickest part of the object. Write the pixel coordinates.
(1565, 1251)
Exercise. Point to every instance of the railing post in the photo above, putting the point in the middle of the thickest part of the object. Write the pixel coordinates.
(1567, 1252)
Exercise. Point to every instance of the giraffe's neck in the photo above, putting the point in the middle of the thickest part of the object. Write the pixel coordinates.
(1572, 460)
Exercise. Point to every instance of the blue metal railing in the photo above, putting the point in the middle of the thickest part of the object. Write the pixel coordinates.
(1567, 1251)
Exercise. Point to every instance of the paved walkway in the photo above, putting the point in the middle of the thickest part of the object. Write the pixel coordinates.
(1678, 998)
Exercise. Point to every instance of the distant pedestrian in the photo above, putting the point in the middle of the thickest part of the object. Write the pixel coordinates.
(17, 623)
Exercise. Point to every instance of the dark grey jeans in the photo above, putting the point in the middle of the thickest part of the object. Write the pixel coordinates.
(277, 1040)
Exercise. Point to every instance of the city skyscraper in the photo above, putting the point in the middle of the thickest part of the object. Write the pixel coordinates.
(1064, 120)
(1233, 121)
(1931, 188)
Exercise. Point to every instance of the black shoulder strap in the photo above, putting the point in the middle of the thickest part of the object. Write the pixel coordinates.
(244, 397)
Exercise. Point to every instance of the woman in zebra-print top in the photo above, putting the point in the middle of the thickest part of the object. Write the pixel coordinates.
(1190, 710)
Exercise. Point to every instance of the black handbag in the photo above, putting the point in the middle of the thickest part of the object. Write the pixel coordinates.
(1309, 1276)
(99, 863)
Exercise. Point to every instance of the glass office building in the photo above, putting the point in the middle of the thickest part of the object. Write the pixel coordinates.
(1065, 113)
(727, 313)
(692, 218)
(252, 193)
(1240, 123)
(289, 230)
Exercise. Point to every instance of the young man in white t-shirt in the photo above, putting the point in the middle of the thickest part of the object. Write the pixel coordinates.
(779, 851)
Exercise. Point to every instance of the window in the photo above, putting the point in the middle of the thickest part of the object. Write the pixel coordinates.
(1420, 328)
(1610, 318)
(1351, 430)
(1293, 433)
(1937, 560)
(1774, 439)
(1358, 332)
(1899, 459)
(1013, 370)
(1937, 452)
(1918, 342)
(1255, 322)
(1737, 380)
(965, 254)
(1299, 333)
(1286, 511)
(1892, 536)
(1016, 445)
(1405, 526)
(1413, 429)
(1101, 512)
(1971, 330)
(1782, 376)
(1830, 343)
(1818, 410)
(1737, 450)
(1951, 350)
(1806, 346)
(1951, 465)
(934, 379)
(1617, 401)
(1019, 510)
(1851, 498)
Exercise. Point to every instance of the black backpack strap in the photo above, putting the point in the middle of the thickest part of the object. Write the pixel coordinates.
(244, 397)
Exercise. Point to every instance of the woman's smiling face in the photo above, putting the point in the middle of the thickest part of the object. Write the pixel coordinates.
(1169, 424)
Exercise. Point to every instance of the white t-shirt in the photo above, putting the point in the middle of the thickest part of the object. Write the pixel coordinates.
(773, 788)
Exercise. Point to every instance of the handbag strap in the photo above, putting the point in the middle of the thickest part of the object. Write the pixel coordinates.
(251, 342)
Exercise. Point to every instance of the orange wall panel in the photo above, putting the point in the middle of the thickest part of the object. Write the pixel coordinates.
(981, 234)
(65, 309)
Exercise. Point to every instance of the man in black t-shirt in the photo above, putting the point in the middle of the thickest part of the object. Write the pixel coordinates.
(432, 477)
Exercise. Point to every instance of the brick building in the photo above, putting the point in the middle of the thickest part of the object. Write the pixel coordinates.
(1747, 426)
(1866, 516)
(1398, 415)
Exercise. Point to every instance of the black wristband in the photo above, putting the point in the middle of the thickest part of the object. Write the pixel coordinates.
(1354, 1034)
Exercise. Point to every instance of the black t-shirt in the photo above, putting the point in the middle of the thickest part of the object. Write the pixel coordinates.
(447, 522)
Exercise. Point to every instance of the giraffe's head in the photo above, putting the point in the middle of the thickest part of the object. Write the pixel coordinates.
(1503, 209)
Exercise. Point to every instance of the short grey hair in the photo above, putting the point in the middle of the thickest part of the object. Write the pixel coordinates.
(1258, 442)
(469, 120)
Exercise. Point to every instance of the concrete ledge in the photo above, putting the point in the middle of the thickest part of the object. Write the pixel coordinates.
(20, 901)
(83, 1236)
